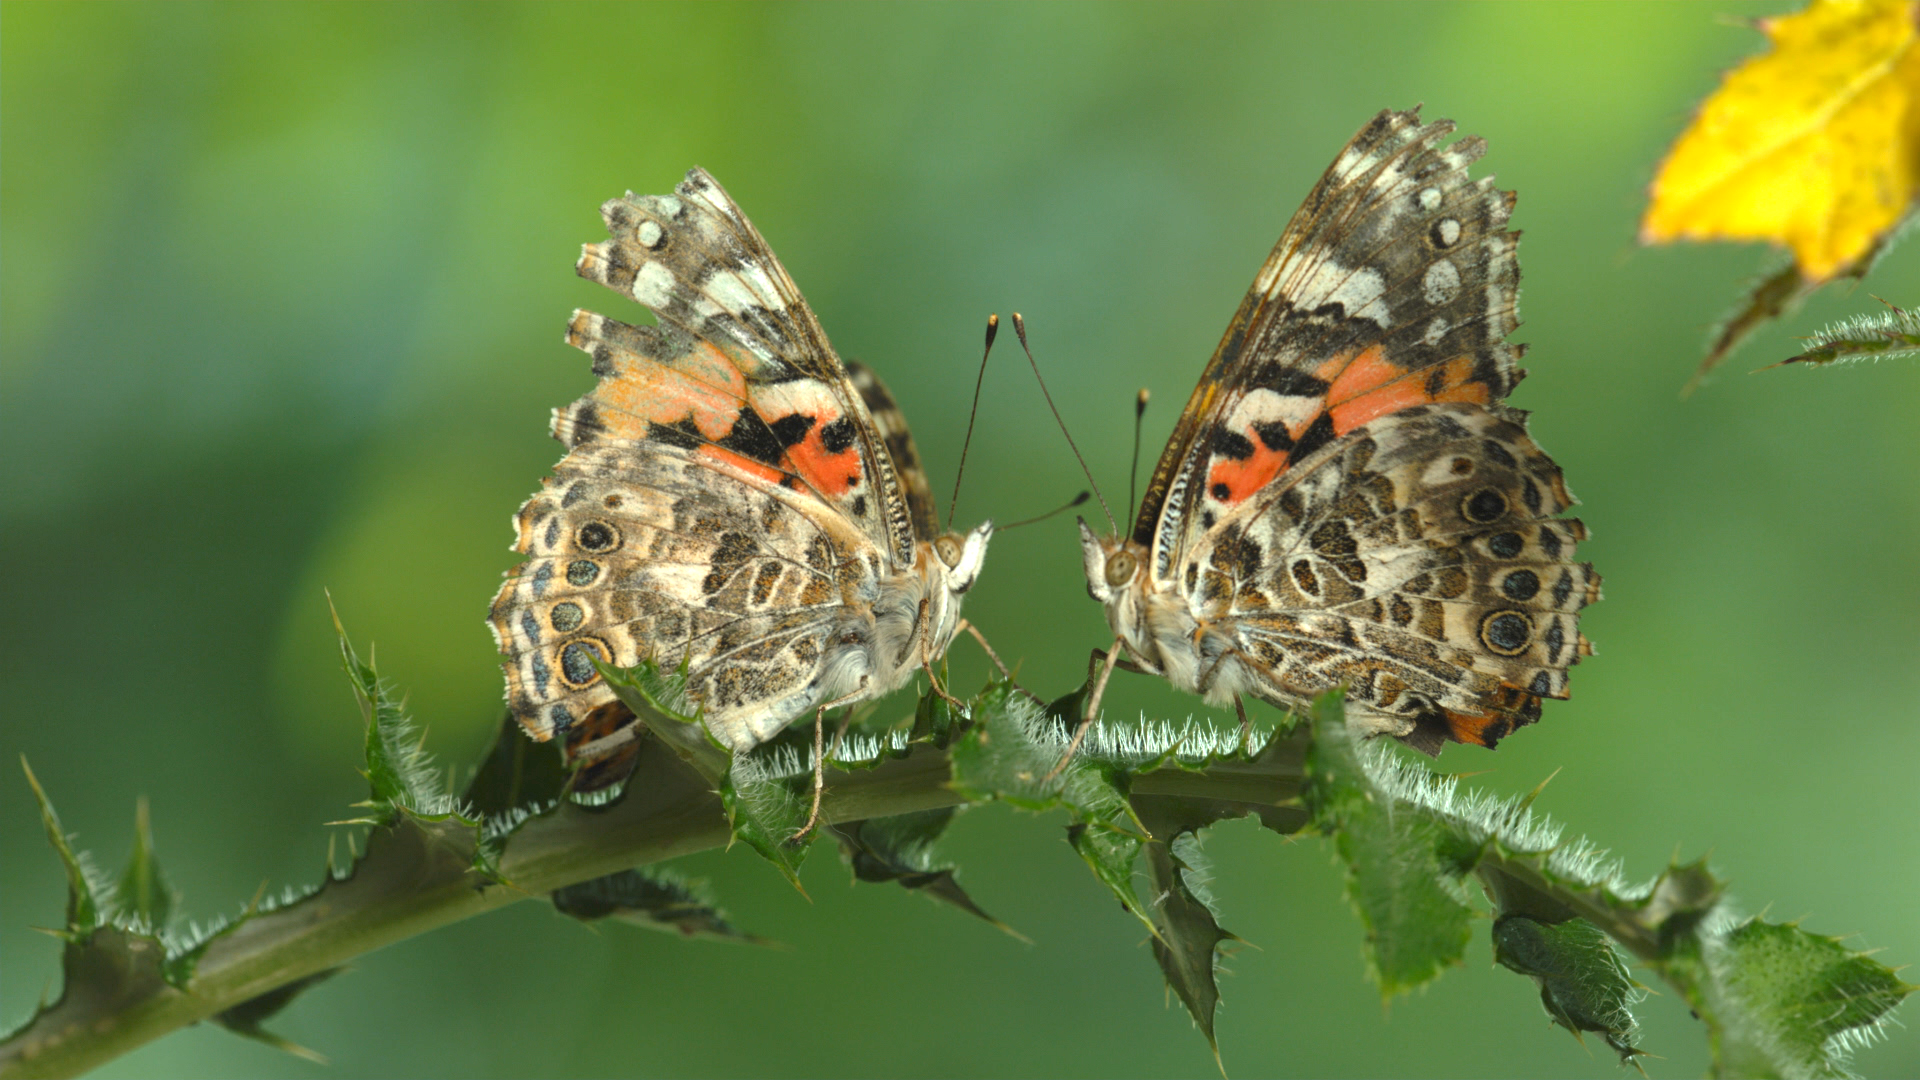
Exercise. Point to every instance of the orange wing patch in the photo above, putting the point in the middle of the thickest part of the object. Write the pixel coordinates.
(1508, 707)
(1478, 730)
(637, 390)
(1361, 387)
(1368, 386)
(819, 440)
(1231, 481)
(829, 457)
(742, 462)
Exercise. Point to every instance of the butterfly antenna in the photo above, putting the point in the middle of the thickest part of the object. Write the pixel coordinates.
(1133, 475)
(1020, 328)
(993, 328)
(1077, 500)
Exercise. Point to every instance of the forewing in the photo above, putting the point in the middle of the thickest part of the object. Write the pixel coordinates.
(1417, 560)
(891, 424)
(643, 550)
(1392, 286)
(748, 370)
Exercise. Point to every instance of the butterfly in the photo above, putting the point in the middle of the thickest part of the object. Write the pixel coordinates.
(735, 501)
(1346, 500)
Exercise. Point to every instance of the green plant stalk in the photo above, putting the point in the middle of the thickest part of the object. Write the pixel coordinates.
(572, 845)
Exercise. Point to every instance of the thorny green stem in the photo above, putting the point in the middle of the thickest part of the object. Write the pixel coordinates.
(413, 881)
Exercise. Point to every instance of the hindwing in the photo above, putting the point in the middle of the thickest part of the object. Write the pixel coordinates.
(1418, 561)
(649, 551)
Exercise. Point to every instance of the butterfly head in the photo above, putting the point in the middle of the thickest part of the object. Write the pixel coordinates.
(962, 554)
(1113, 564)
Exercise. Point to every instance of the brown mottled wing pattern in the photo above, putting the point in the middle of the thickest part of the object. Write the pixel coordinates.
(1392, 286)
(653, 552)
(1418, 562)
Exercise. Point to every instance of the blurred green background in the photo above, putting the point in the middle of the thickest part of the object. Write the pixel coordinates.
(281, 304)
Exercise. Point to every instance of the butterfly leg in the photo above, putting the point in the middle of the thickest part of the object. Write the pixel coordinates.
(991, 655)
(1239, 706)
(820, 755)
(1005, 672)
(926, 660)
(1105, 663)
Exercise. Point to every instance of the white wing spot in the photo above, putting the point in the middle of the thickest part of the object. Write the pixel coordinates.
(1353, 161)
(1436, 330)
(1441, 282)
(1428, 199)
(1358, 292)
(650, 234)
(1269, 406)
(734, 292)
(653, 285)
(1449, 232)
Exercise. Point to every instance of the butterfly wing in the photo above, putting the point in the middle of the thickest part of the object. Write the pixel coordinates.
(726, 501)
(1393, 285)
(647, 550)
(891, 425)
(1419, 562)
(742, 370)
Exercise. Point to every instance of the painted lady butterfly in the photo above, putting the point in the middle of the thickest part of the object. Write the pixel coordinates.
(733, 498)
(1347, 500)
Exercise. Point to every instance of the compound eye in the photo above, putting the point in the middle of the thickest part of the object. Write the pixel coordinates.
(1120, 567)
(949, 551)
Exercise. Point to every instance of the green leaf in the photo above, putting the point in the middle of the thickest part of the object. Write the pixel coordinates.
(105, 968)
(1411, 899)
(1188, 944)
(935, 720)
(1777, 295)
(398, 768)
(83, 905)
(1796, 1003)
(245, 1018)
(143, 900)
(900, 848)
(1583, 980)
(1110, 854)
(651, 897)
(1884, 335)
(1004, 755)
(659, 700)
(1013, 753)
(767, 795)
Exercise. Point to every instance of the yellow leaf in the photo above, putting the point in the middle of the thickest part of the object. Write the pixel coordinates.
(1814, 145)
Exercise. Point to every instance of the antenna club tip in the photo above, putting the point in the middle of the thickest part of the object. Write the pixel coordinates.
(1020, 327)
(1081, 498)
(993, 328)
